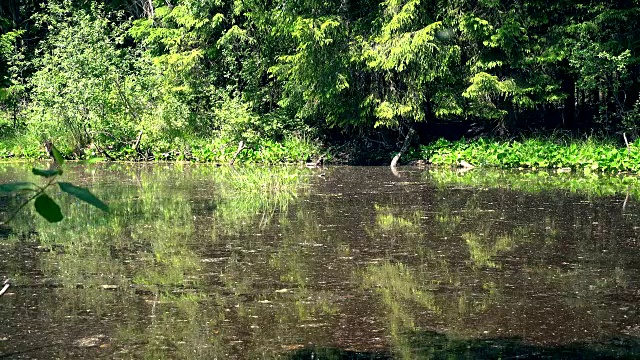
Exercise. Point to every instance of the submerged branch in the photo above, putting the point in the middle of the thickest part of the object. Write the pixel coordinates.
(405, 147)
(240, 148)
(136, 146)
(5, 287)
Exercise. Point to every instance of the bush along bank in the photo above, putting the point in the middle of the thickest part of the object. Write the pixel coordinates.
(289, 150)
(588, 155)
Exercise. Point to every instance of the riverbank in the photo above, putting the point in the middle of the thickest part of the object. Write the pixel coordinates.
(562, 154)
(290, 149)
(589, 155)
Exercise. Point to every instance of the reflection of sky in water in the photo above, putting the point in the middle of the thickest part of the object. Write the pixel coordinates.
(203, 262)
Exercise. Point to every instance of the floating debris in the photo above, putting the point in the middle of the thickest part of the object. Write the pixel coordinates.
(90, 341)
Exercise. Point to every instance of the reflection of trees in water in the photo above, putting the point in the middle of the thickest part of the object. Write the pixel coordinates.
(187, 249)
(591, 185)
(401, 296)
(150, 252)
(242, 193)
(517, 247)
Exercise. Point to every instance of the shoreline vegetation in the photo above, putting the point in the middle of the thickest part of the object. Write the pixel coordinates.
(557, 154)
(560, 155)
(290, 150)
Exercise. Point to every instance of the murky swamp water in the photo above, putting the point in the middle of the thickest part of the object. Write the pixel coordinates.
(354, 263)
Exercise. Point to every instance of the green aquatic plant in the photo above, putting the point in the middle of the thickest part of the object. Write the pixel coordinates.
(254, 195)
(45, 206)
(579, 155)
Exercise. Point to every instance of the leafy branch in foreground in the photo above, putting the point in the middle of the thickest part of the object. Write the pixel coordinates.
(44, 204)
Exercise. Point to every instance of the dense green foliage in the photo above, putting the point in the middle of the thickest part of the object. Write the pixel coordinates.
(149, 79)
(587, 155)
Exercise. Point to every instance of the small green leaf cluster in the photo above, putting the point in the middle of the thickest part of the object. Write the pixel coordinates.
(587, 156)
(45, 206)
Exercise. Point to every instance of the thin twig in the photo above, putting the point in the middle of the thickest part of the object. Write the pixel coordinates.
(240, 148)
(15, 213)
(137, 144)
(624, 135)
(40, 191)
(405, 147)
(5, 287)
(624, 204)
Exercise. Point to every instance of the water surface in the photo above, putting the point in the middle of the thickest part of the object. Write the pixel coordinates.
(210, 262)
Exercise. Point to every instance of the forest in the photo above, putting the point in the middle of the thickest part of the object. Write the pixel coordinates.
(300, 79)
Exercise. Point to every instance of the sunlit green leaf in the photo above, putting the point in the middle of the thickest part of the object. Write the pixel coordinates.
(48, 209)
(56, 155)
(46, 173)
(83, 194)
(17, 186)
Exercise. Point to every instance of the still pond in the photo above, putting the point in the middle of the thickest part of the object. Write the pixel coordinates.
(204, 262)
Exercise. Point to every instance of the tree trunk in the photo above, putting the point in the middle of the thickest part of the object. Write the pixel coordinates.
(405, 147)
(240, 148)
(148, 9)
